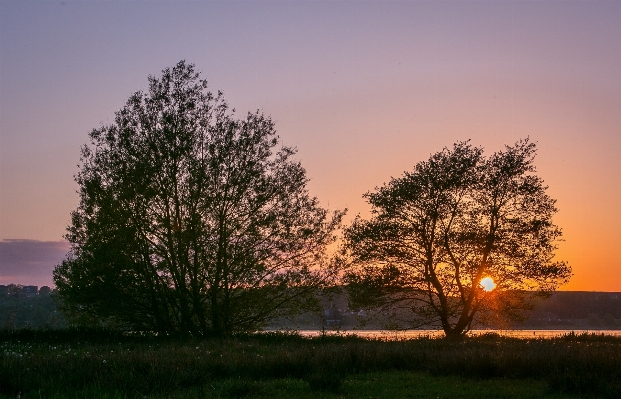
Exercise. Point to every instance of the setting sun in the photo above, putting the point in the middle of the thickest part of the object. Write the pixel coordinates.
(488, 284)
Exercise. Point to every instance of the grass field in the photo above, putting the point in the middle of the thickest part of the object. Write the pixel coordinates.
(391, 384)
(87, 364)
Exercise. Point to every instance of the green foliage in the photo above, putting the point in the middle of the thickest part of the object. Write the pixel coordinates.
(30, 312)
(437, 231)
(190, 220)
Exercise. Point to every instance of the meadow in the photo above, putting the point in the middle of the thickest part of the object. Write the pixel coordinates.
(108, 364)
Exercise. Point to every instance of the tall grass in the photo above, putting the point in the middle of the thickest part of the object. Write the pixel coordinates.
(61, 361)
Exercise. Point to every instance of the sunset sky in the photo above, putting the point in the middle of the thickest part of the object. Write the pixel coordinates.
(364, 89)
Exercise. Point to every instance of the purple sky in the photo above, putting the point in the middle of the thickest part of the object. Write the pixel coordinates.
(364, 89)
(28, 262)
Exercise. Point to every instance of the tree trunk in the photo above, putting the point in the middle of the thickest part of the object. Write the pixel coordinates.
(454, 333)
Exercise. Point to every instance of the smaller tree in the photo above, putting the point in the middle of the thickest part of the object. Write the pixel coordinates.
(438, 231)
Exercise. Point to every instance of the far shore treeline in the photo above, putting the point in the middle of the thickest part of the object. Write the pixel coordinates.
(193, 220)
(563, 310)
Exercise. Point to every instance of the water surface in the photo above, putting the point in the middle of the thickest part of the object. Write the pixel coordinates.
(392, 335)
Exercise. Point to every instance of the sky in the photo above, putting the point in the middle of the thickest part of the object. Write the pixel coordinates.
(363, 89)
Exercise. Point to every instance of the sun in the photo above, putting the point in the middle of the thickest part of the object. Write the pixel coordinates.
(488, 284)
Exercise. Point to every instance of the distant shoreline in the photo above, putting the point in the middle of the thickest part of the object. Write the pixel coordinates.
(406, 334)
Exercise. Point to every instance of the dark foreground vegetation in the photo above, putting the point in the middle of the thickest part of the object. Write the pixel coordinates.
(80, 363)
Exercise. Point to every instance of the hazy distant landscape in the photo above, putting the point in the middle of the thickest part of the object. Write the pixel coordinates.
(564, 310)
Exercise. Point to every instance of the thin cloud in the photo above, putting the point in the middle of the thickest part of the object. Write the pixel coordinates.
(30, 262)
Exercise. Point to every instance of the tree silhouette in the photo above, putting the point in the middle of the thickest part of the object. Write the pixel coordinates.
(458, 218)
(190, 220)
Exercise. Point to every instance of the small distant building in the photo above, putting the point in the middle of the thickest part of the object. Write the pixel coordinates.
(29, 291)
(332, 316)
(45, 290)
(4, 290)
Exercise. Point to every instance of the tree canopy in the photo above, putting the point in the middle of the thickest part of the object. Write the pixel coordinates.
(191, 220)
(436, 232)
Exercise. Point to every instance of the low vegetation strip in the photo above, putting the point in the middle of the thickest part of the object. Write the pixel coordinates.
(50, 363)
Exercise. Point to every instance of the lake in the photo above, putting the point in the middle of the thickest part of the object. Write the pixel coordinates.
(391, 335)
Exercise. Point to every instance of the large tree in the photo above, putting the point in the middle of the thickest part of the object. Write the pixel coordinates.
(437, 232)
(191, 220)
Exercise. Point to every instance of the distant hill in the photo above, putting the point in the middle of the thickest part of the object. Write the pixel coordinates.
(576, 310)
(28, 307)
(563, 310)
